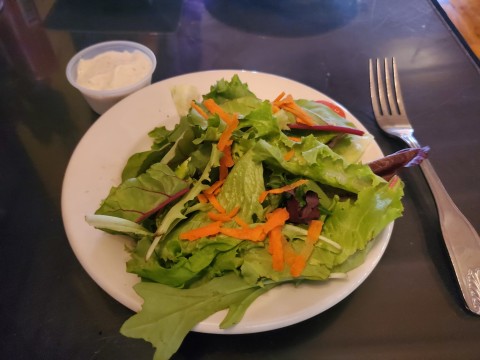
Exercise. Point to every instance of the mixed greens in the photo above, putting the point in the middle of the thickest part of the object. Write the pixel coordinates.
(243, 195)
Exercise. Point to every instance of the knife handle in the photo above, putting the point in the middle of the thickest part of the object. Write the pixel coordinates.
(461, 239)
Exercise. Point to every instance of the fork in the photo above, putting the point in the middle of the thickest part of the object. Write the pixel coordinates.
(461, 238)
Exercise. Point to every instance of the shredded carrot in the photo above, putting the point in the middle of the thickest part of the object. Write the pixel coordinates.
(280, 190)
(300, 261)
(215, 186)
(277, 217)
(314, 230)
(240, 222)
(218, 216)
(255, 234)
(223, 171)
(275, 248)
(213, 200)
(289, 155)
(234, 211)
(296, 139)
(287, 103)
(223, 216)
(204, 231)
(227, 156)
(297, 266)
(288, 252)
(214, 108)
(202, 198)
(279, 97)
(199, 110)
(224, 140)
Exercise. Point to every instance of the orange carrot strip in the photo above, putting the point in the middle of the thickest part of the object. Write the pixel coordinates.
(223, 217)
(250, 233)
(282, 189)
(279, 97)
(296, 139)
(223, 170)
(289, 155)
(199, 110)
(275, 248)
(212, 106)
(298, 265)
(227, 157)
(314, 230)
(213, 200)
(227, 133)
(277, 217)
(204, 231)
(216, 185)
(202, 198)
(299, 113)
(234, 211)
(289, 104)
(240, 222)
(218, 217)
(289, 254)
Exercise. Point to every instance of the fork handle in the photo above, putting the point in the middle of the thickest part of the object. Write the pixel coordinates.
(461, 238)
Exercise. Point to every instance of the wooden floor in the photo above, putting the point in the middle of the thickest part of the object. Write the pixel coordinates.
(465, 15)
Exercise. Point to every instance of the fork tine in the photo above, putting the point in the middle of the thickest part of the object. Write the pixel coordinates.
(381, 89)
(398, 89)
(391, 89)
(374, 90)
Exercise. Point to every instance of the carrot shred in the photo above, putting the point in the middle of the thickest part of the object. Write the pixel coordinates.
(227, 153)
(202, 198)
(289, 155)
(218, 216)
(294, 138)
(215, 186)
(279, 97)
(282, 189)
(223, 170)
(287, 103)
(213, 200)
(224, 140)
(300, 261)
(314, 231)
(297, 266)
(255, 234)
(199, 110)
(234, 211)
(214, 108)
(277, 217)
(240, 222)
(204, 231)
(275, 248)
(288, 252)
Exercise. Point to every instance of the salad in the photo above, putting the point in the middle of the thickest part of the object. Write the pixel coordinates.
(243, 195)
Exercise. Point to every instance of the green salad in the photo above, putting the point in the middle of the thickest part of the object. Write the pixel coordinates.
(242, 195)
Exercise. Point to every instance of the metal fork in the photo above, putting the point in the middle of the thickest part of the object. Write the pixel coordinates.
(461, 238)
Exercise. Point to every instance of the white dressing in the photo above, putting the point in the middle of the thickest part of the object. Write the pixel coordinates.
(113, 70)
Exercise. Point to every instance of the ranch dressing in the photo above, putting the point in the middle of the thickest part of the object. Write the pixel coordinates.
(113, 70)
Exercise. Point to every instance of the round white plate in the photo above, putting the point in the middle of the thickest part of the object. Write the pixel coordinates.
(96, 165)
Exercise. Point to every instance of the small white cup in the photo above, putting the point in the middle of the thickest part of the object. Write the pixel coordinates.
(101, 100)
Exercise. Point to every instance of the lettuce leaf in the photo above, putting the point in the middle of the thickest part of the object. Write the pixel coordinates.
(137, 198)
(168, 314)
(316, 161)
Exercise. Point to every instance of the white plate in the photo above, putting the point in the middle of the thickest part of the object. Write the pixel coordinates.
(95, 167)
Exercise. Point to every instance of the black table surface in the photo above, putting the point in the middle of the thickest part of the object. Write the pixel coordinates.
(409, 307)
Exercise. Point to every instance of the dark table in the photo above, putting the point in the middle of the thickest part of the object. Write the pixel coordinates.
(409, 307)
